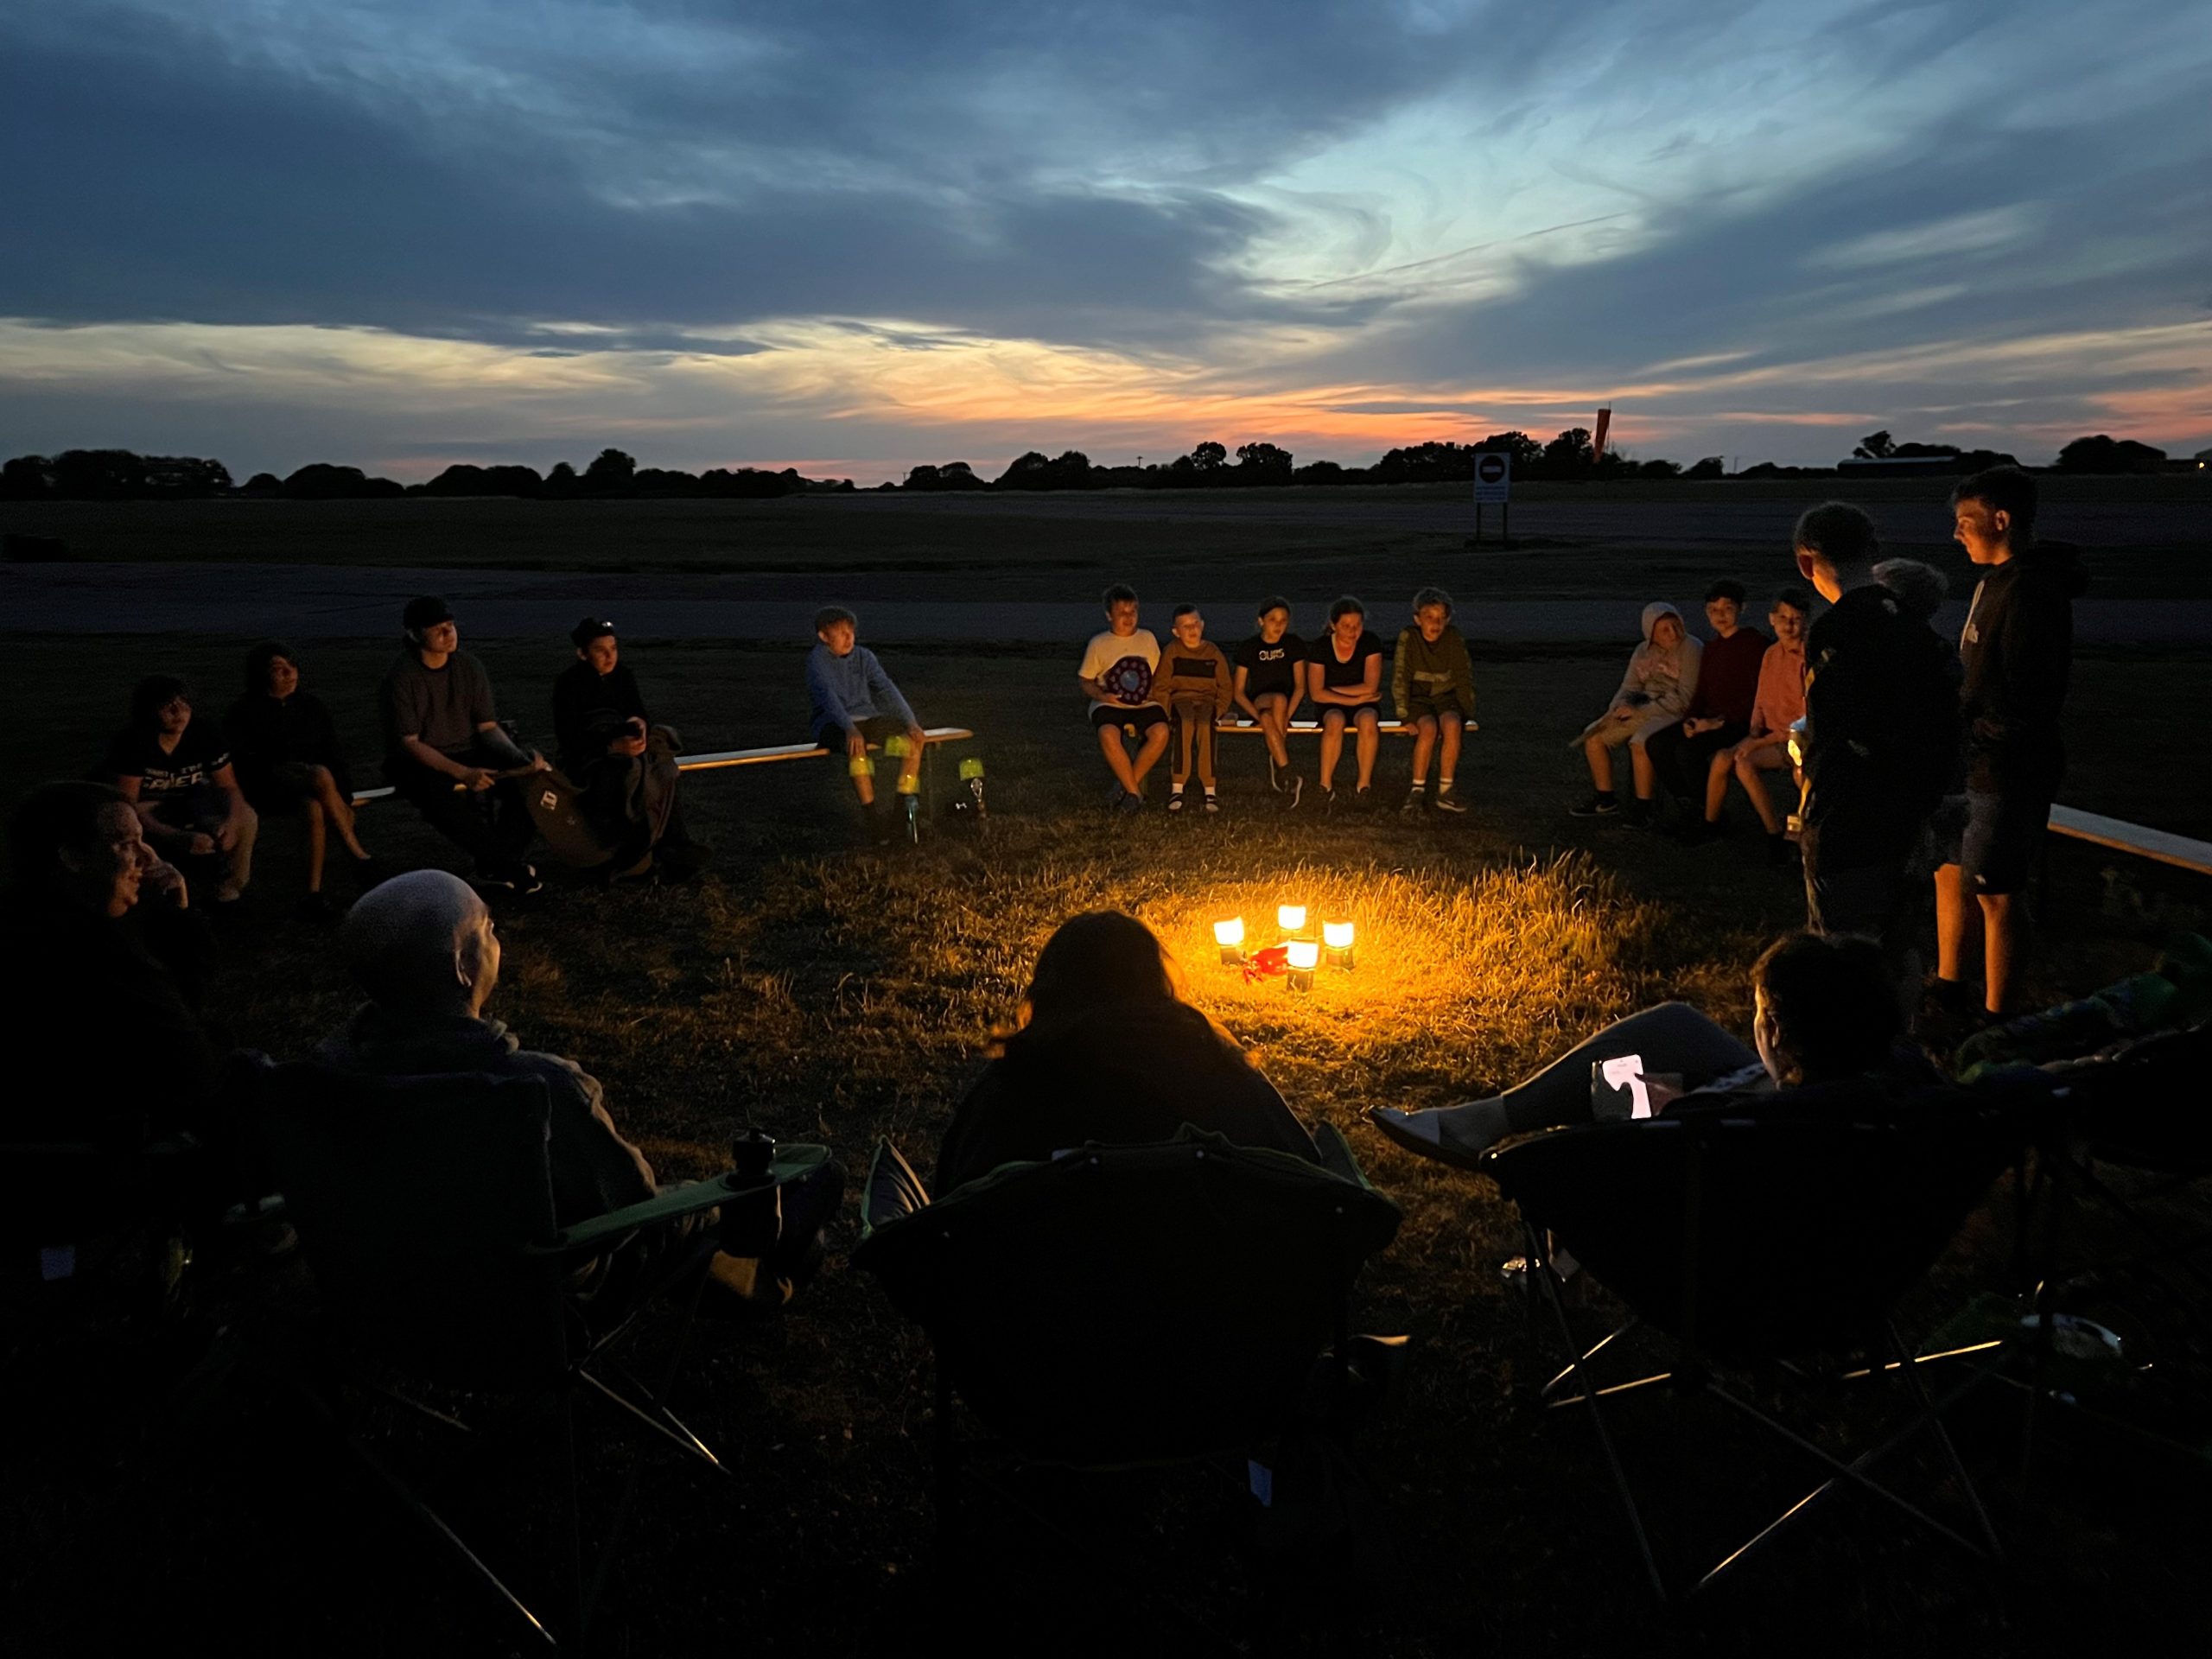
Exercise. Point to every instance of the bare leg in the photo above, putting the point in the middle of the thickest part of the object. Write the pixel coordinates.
(1453, 732)
(1424, 746)
(317, 841)
(1747, 775)
(1117, 758)
(1716, 785)
(1332, 745)
(1148, 753)
(338, 811)
(1370, 745)
(1274, 721)
(1601, 764)
(1639, 766)
(1951, 912)
(2004, 943)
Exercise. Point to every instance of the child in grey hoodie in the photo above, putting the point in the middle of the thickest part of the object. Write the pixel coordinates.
(1662, 677)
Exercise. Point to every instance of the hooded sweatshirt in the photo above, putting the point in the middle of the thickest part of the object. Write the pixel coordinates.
(2018, 651)
(594, 1169)
(1666, 678)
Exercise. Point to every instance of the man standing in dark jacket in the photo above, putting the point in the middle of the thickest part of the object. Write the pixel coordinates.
(2018, 651)
(1881, 735)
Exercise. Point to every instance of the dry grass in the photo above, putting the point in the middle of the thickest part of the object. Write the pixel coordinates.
(839, 996)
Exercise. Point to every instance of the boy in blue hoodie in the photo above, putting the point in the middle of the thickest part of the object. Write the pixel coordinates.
(854, 702)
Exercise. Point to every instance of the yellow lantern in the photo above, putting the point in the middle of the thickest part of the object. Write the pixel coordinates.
(1304, 956)
(1230, 935)
(1338, 936)
(1291, 918)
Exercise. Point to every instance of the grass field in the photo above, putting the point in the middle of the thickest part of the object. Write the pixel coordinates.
(839, 996)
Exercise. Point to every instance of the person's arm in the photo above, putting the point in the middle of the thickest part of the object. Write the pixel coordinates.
(485, 719)
(2036, 646)
(1463, 674)
(594, 1168)
(1683, 692)
(160, 834)
(1371, 684)
(1402, 670)
(235, 810)
(963, 1154)
(1223, 690)
(1317, 687)
(1239, 694)
(880, 683)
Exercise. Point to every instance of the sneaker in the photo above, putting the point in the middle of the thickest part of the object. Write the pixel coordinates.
(1130, 805)
(1212, 802)
(1598, 806)
(1277, 773)
(1293, 785)
(1328, 800)
(520, 879)
(1448, 801)
(1363, 800)
(1175, 800)
(1639, 814)
(1413, 807)
(1696, 832)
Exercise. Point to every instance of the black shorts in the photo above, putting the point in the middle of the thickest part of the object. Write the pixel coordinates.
(1285, 689)
(1349, 712)
(1437, 708)
(1142, 718)
(1994, 839)
(876, 728)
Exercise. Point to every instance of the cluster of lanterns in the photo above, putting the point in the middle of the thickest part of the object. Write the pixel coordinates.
(1298, 954)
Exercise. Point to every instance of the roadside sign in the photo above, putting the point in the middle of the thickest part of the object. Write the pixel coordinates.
(1493, 479)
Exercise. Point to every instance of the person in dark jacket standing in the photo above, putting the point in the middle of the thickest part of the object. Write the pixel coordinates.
(285, 749)
(2018, 651)
(1881, 736)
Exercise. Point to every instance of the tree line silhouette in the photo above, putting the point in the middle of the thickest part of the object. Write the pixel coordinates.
(124, 475)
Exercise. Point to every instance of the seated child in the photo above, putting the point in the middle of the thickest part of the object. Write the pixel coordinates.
(1269, 685)
(1779, 704)
(623, 763)
(1719, 713)
(1344, 675)
(1661, 678)
(176, 771)
(285, 749)
(1116, 674)
(1194, 677)
(854, 701)
(1432, 683)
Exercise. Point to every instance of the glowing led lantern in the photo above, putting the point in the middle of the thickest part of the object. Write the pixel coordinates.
(1230, 935)
(1291, 918)
(1304, 956)
(1338, 936)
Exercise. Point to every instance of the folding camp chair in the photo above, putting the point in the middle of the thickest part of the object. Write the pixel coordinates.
(1765, 1239)
(424, 1207)
(1127, 1307)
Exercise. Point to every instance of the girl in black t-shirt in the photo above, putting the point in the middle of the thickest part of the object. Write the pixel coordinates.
(1270, 683)
(1344, 675)
(176, 774)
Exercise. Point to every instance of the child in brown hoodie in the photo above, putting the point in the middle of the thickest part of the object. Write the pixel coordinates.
(1193, 680)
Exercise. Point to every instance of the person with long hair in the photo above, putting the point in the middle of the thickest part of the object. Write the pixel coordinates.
(285, 748)
(1108, 1051)
(177, 772)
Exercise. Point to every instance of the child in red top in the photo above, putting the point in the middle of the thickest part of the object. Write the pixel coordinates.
(1779, 705)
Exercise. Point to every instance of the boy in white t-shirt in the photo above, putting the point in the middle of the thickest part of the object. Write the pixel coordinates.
(1116, 676)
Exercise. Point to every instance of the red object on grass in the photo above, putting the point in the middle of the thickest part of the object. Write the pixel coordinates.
(1268, 961)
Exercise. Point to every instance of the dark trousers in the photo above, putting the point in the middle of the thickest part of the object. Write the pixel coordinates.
(492, 825)
(1682, 761)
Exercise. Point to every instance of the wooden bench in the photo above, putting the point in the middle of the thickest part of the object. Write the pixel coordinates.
(718, 759)
(1303, 728)
(2121, 837)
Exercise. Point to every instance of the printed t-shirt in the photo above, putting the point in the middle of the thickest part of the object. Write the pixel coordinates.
(1124, 664)
(169, 780)
(1341, 676)
(1271, 670)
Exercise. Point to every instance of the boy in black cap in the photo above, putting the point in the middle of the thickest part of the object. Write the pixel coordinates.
(624, 765)
(445, 749)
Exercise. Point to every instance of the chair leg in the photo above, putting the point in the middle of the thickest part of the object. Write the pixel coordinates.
(572, 1543)
(1540, 1264)
(1588, 1354)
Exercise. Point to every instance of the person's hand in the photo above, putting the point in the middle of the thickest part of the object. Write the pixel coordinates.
(919, 739)
(633, 745)
(538, 762)
(478, 779)
(227, 834)
(199, 846)
(1746, 749)
(165, 879)
(856, 744)
(1625, 712)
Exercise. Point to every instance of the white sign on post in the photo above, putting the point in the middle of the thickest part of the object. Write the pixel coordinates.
(1493, 479)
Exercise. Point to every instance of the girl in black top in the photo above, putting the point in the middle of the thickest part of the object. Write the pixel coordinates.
(1344, 675)
(286, 749)
(1270, 683)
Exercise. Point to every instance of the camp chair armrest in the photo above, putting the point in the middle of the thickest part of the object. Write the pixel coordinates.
(1337, 1156)
(602, 1233)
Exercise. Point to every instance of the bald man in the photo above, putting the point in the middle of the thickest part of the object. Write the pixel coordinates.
(424, 948)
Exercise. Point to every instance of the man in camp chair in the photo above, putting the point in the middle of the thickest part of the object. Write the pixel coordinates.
(424, 948)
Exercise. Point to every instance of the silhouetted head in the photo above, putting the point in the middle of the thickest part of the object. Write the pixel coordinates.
(1826, 1007)
(1836, 548)
(1099, 957)
(423, 943)
(271, 670)
(82, 839)
(1993, 514)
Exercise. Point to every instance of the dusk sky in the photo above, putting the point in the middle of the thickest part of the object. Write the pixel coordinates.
(852, 237)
